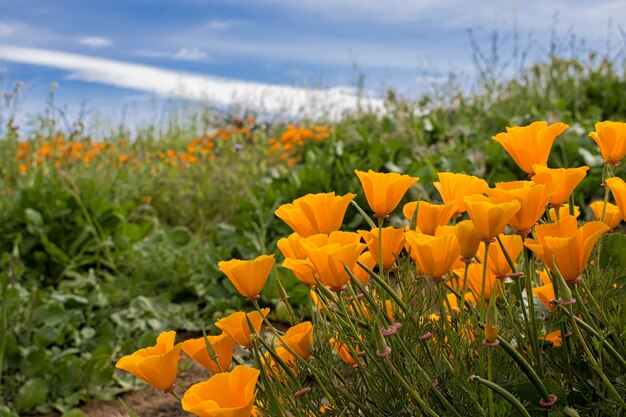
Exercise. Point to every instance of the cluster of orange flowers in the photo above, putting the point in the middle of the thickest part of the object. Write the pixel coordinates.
(294, 138)
(327, 259)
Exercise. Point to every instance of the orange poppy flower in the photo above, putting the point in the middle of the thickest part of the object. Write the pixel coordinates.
(533, 200)
(435, 255)
(228, 394)
(530, 145)
(248, 277)
(611, 139)
(496, 261)
(566, 244)
(490, 216)
(236, 325)
(612, 217)
(368, 260)
(563, 212)
(343, 352)
(454, 187)
(300, 339)
(327, 262)
(564, 180)
(384, 190)
(545, 294)
(475, 281)
(393, 242)
(222, 345)
(430, 216)
(468, 238)
(555, 338)
(315, 213)
(273, 368)
(618, 189)
(156, 365)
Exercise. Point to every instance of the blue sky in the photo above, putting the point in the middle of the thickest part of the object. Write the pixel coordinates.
(131, 51)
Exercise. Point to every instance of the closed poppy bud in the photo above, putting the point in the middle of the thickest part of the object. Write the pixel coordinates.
(221, 345)
(491, 325)
(468, 238)
(248, 277)
(564, 180)
(228, 394)
(300, 339)
(533, 200)
(530, 145)
(435, 255)
(315, 213)
(156, 365)
(393, 242)
(565, 245)
(430, 216)
(611, 139)
(489, 216)
(612, 216)
(236, 325)
(453, 187)
(384, 190)
(618, 189)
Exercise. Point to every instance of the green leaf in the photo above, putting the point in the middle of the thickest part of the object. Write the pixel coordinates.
(33, 393)
(75, 412)
(179, 236)
(612, 253)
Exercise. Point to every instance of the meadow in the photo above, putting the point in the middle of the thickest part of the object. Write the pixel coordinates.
(107, 243)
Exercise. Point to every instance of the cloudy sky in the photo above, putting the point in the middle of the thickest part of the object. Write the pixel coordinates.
(107, 52)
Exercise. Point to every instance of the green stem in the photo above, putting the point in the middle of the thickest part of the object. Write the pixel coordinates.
(422, 405)
(503, 393)
(490, 378)
(606, 173)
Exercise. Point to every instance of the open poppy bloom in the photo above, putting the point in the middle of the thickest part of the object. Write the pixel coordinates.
(545, 294)
(435, 255)
(248, 277)
(611, 139)
(393, 242)
(343, 352)
(236, 325)
(300, 338)
(361, 274)
(496, 260)
(566, 245)
(228, 394)
(563, 211)
(612, 216)
(315, 213)
(533, 200)
(430, 216)
(156, 365)
(273, 367)
(618, 189)
(454, 187)
(530, 145)
(327, 262)
(475, 282)
(490, 215)
(564, 180)
(384, 190)
(222, 345)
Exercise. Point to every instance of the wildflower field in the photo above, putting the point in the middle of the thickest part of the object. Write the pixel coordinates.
(463, 255)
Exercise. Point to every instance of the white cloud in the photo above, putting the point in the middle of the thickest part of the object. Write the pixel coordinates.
(291, 101)
(95, 41)
(182, 54)
(6, 29)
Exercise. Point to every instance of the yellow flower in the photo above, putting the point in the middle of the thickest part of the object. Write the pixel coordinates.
(236, 325)
(228, 394)
(300, 339)
(530, 145)
(384, 190)
(611, 139)
(248, 277)
(533, 200)
(393, 242)
(435, 255)
(454, 187)
(430, 216)
(618, 189)
(566, 244)
(222, 345)
(468, 238)
(315, 213)
(564, 180)
(496, 260)
(156, 365)
(612, 217)
(490, 216)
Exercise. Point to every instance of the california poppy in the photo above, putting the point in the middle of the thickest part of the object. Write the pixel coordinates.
(496, 260)
(384, 190)
(156, 365)
(490, 216)
(468, 238)
(435, 255)
(612, 215)
(392, 243)
(327, 262)
(229, 394)
(236, 325)
(430, 216)
(248, 277)
(533, 200)
(611, 139)
(530, 145)
(564, 180)
(618, 189)
(222, 346)
(300, 339)
(453, 187)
